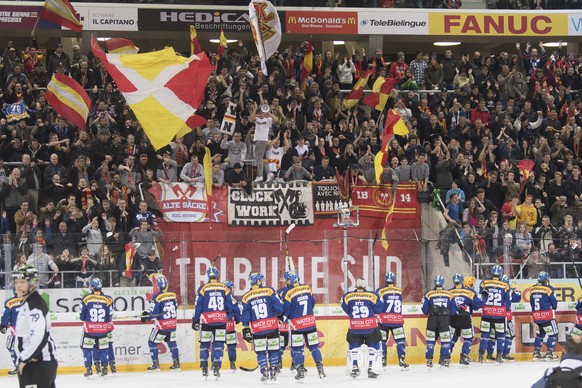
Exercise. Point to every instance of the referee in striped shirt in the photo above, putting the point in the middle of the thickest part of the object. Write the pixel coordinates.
(35, 348)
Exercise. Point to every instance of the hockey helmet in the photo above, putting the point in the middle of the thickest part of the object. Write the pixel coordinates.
(390, 278)
(439, 281)
(255, 278)
(162, 283)
(458, 278)
(291, 276)
(543, 276)
(96, 284)
(212, 272)
(496, 271)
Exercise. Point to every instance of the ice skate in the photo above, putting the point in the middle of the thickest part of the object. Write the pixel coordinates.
(464, 360)
(537, 356)
(113, 368)
(176, 365)
(372, 374)
(104, 371)
(508, 358)
(320, 371)
(88, 372)
(233, 366)
(499, 358)
(215, 370)
(446, 363)
(155, 366)
(13, 372)
(264, 375)
(355, 372)
(97, 368)
(429, 362)
(480, 358)
(490, 357)
(384, 363)
(550, 356)
(301, 371)
(402, 363)
(204, 367)
(273, 373)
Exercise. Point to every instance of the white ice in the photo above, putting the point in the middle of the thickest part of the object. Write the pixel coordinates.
(514, 375)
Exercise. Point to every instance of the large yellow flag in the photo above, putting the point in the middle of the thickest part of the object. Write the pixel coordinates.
(163, 89)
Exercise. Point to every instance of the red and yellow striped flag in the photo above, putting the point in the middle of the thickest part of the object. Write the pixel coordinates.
(195, 47)
(129, 254)
(307, 65)
(68, 99)
(380, 92)
(393, 125)
(61, 12)
(358, 90)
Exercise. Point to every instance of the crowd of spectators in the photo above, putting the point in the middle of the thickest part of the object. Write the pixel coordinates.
(74, 197)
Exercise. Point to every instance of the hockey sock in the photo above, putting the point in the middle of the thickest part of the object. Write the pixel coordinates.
(538, 342)
(445, 344)
(500, 343)
(217, 353)
(483, 342)
(111, 353)
(88, 357)
(400, 346)
(297, 355)
(204, 351)
(384, 349)
(232, 352)
(153, 350)
(507, 348)
(274, 358)
(315, 353)
(491, 346)
(467, 342)
(551, 343)
(262, 359)
(429, 349)
(173, 349)
(101, 356)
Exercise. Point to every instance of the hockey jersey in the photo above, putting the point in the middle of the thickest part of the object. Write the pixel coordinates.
(495, 296)
(438, 302)
(298, 304)
(231, 323)
(10, 313)
(96, 313)
(467, 300)
(362, 307)
(579, 312)
(543, 302)
(392, 314)
(283, 325)
(163, 309)
(514, 297)
(213, 304)
(261, 306)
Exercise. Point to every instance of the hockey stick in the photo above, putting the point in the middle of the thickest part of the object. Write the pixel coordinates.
(248, 369)
(289, 262)
(374, 262)
(574, 264)
(136, 316)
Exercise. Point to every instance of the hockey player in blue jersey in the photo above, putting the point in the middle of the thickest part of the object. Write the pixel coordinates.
(543, 302)
(260, 308)
(95, 315)
(163, 311)
(231, 337)
(213, 309)
(515, 297)
(467, 302)
(298, 304)
(361, 306)
(8, 326)
(496, 297)
(391, 320)
(439, 306)
(577, 329)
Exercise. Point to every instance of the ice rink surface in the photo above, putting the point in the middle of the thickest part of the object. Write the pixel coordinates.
(514, 375)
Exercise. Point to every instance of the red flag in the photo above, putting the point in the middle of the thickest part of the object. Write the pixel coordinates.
(195, 47)
(61, 12)
(307, 65)
(526, 166)
(129, 254)
(343, 184)
(222, 45)
(120, 46)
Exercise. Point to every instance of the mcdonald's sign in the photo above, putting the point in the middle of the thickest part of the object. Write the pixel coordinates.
(306, 22)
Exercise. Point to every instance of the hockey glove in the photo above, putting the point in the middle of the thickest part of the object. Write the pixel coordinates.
(144, 317)
(247, 335)
(3, 329)
(195, 325)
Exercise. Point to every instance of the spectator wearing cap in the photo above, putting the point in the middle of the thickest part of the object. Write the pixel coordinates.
(10, 58)
(236, 177)
(77, 57)
(167, 171)
(399, 67)
(58, 59)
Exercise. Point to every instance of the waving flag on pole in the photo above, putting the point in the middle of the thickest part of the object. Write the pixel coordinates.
(163, 89)
(68, 99)
(222, 46)
(307, 65)
(526, 166)
(121, 46)
(195, 47)
(266, 28)
(358, 90)
(394, 124)
(61, 12)
(380, 92)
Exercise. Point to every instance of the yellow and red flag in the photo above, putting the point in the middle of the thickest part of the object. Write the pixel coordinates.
(207, 164)
(384, 239)
(526, 166)
(163, 89)
(129, 254)
(195, 47)
(393, 125)
(222, 46)
(68, 99)
(120, 46)
(307, 65)
(358, 90)
(61, 12)
(380, 92)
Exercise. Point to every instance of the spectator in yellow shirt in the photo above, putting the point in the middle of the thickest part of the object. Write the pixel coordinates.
(526, 212)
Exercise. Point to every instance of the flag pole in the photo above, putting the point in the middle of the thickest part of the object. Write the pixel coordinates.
(37, 20)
